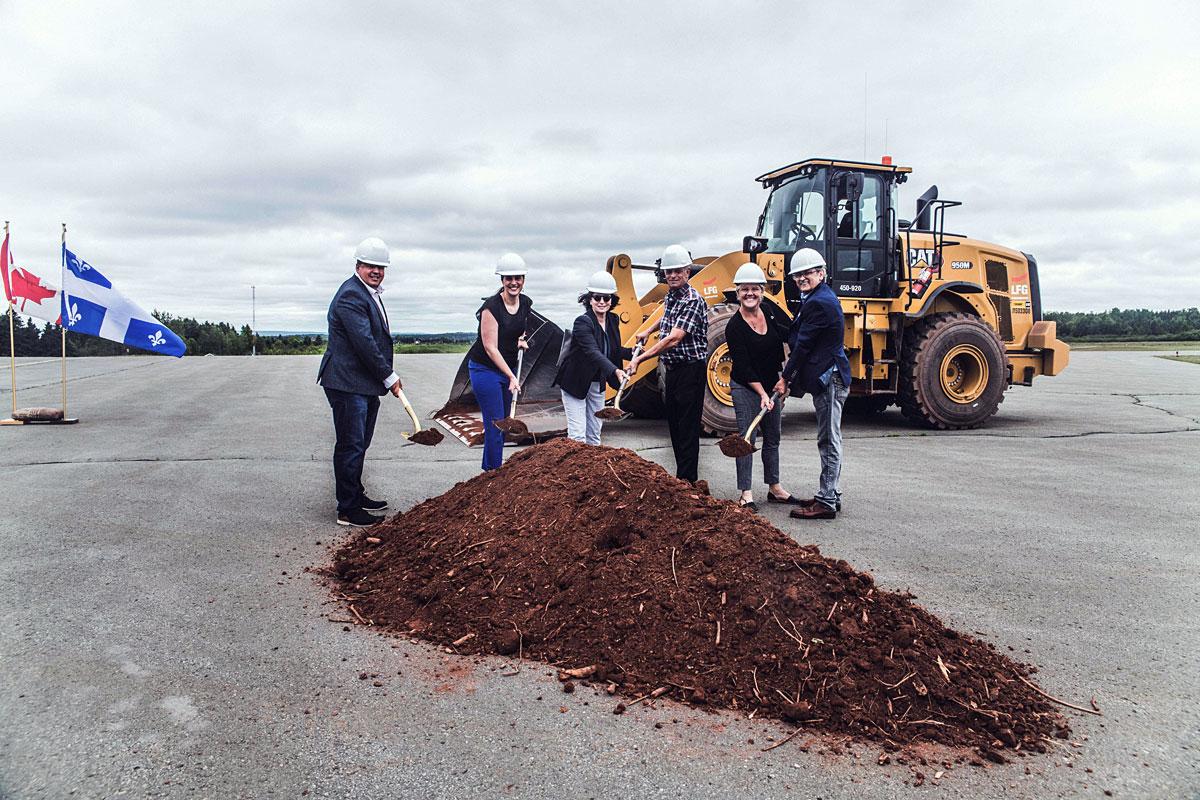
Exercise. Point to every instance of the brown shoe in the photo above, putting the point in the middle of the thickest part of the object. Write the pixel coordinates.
(816, 511)
(812, 501)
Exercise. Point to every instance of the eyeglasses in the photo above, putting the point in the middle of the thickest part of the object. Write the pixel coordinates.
(808, 273)
(602, 298)
(517, 278)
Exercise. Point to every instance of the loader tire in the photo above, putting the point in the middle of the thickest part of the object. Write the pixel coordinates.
(953, 373)
(717, 416)
(644, 399)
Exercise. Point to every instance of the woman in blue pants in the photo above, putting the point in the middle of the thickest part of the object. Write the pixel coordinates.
(492, 359)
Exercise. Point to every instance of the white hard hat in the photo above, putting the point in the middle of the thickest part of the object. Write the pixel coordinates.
(805, 259)
(372, 250)
(510, 264)
(749, 273)
(674, 257)
(602, 283)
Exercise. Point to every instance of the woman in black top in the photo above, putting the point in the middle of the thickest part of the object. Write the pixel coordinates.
(755, 336)
(492, 359)
(592, 359)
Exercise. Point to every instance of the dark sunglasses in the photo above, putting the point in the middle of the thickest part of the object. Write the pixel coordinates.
(602, 298)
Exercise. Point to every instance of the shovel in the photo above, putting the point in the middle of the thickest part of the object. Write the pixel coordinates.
(736, 446)
(511, 424)
(615, 412)
(429, 437)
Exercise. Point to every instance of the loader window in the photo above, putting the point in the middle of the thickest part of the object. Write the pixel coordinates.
(862, 220)
(859, 263)
(795, 215)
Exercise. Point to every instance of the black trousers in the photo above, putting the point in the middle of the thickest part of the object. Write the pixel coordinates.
(354, 424)
(684, 400)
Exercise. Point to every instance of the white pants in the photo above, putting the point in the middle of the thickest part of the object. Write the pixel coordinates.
(582, 423)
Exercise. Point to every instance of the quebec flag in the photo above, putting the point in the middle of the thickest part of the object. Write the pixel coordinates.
(91, 305)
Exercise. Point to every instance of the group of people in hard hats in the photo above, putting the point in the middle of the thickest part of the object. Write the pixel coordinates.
(357, 368)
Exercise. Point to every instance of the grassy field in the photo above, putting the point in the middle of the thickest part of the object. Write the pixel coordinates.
(1185, 359)
(432, 347)
(1134, 345)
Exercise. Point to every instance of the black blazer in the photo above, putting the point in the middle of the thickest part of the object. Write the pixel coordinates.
(358, 355)
(586, 363)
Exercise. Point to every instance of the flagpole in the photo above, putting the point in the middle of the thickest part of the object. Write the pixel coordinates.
(12, 344)
(63, 328)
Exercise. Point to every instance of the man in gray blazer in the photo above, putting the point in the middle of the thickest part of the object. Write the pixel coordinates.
(355, 372)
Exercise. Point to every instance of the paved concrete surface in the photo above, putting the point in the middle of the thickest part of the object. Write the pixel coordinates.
(159, 638)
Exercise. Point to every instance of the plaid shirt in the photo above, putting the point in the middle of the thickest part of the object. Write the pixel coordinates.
(685, 308)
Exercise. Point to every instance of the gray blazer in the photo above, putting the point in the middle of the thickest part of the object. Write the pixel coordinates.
(358, 356)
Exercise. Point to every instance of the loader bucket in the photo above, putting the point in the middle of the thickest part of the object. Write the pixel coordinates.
(539, 401)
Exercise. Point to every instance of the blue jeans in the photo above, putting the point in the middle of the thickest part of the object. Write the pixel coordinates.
(828, 405)
(491, 392)
(582, 423)
(746, 406)
(354, 424)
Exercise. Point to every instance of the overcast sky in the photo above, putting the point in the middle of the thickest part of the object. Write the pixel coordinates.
(194, 151)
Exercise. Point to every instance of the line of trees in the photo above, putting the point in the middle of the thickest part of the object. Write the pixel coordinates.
(34, 338)
(1128, 325)
(223, 339)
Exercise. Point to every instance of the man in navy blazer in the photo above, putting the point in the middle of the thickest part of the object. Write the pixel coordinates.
(817, 364)
(355, 372)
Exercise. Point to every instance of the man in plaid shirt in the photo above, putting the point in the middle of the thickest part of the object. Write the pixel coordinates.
(682, 348)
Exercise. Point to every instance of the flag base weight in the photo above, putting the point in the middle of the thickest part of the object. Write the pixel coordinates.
(39, 416)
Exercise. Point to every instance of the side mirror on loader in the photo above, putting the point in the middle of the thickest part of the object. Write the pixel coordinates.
(849, 187)
(753, 245)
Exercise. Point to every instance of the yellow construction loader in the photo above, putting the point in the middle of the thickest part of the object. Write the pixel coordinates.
(936, 322)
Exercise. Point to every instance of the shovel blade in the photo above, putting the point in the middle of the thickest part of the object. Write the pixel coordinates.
(512, 426)
(735, 446)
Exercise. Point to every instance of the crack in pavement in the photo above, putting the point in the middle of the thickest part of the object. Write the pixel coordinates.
(1137, 401)
(223, 459)
(975, 434)
(646, 449)
(58, 381)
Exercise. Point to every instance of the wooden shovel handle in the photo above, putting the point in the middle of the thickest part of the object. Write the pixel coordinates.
(512, 412)
(762, 413)
(617, 402)
(408, 407)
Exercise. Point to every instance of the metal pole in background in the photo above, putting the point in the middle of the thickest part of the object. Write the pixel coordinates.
(253, 325)
(12, 345)
(64, 333)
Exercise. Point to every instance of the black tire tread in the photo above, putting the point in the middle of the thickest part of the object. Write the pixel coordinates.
(917, 339)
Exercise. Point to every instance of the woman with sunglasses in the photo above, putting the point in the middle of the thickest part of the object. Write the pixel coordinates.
(492, 359)
(755, 336)
(592, 359)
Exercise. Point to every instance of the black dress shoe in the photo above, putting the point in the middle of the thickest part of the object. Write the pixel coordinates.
(358, 518)
(368, 504)
(750, 504)
(790, 500)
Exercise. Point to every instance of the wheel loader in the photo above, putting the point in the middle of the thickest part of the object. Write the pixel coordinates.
(937, 323)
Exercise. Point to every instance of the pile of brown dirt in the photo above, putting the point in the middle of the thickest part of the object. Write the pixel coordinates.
(579, 556)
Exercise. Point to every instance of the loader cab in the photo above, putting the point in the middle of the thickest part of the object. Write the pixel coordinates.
(845, 211)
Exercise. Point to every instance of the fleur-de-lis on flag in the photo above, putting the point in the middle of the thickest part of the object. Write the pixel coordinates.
(74, 316)
(156, 339)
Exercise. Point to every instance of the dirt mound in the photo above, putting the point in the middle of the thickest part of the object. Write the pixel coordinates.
(582, 556)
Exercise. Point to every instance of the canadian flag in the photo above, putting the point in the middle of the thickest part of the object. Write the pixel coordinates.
(28, 293)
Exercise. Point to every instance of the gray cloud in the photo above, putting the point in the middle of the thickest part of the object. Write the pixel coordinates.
(197, 151)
